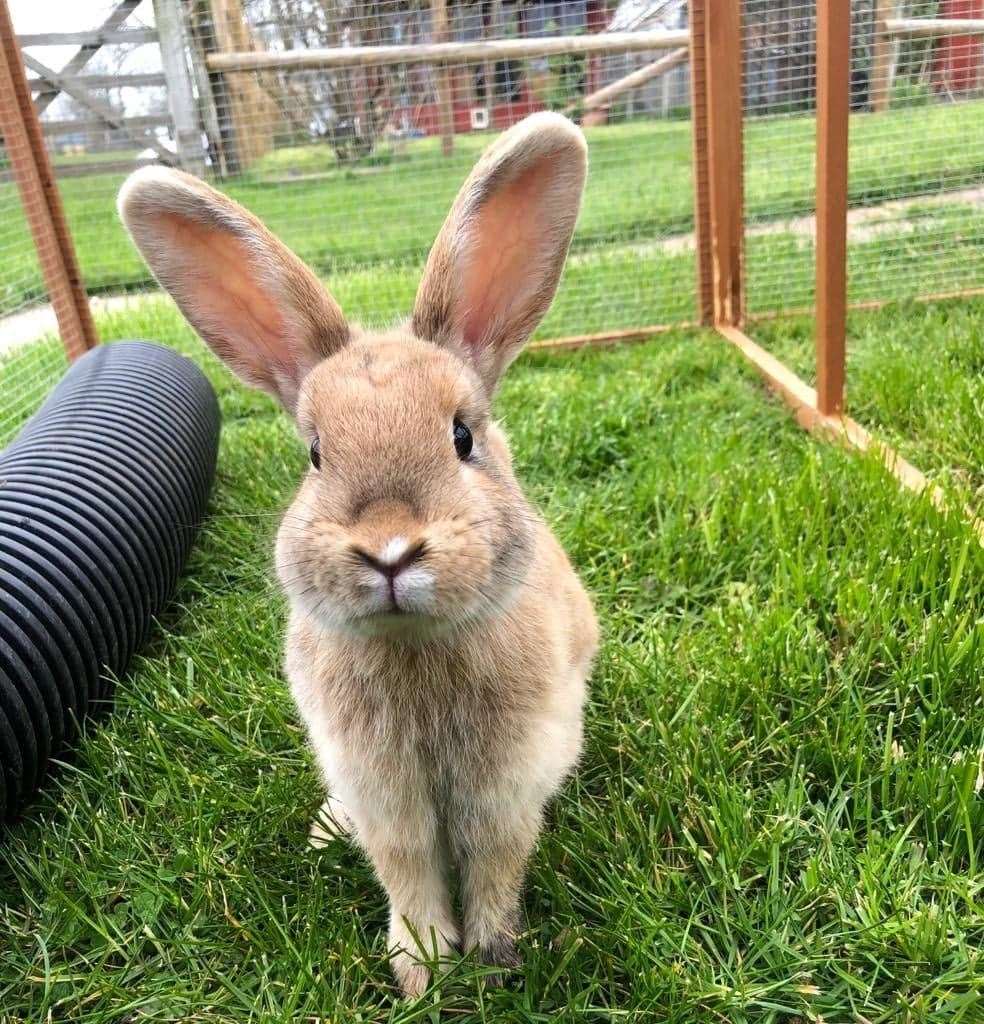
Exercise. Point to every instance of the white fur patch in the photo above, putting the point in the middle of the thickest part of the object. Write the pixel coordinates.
(393, 550)
(414, 588)
(378, 587)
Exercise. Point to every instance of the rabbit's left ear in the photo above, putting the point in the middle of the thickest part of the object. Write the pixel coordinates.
(257, 306)
(494, 268)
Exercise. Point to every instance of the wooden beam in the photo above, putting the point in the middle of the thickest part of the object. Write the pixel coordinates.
(97, 38)
(121, 12)
(137, 80)
(633, 80)
(604, 339)
(701, 170)
(833, 115)
(802, 399)
(445, 100)
(180, 94)
(56, 128)
(725, 160)
(102, 110)
(39, 194)
(796, 393)
(881, 58)
(248, 113)
(449, 53)
(934, 28)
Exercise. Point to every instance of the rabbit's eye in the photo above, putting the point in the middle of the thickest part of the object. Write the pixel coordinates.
(462, 440)
(316, 453)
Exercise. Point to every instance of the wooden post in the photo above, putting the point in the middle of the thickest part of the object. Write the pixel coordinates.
(702, 191)
(489, 22)
(248, 112)
(725, 159)
(39, 194)
(881, 58)
(197, 13)
(445, 101)
(180, 95)
(833, 113)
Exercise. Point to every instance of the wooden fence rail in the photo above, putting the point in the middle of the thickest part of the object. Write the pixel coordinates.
(934, 28)
(97, 38)
(117, 16)
(634, 80)
(95, 124)
(450, 53)
(135, 81)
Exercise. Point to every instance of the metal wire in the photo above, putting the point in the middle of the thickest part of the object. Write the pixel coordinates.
(916, 161)
(355, 167)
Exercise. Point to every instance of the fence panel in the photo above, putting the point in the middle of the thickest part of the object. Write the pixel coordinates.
(916, 154)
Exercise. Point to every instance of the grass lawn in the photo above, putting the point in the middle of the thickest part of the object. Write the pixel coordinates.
(778, 816)
(639, 189)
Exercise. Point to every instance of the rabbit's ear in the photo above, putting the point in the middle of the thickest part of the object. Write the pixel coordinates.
(253, 301)
(494, 268)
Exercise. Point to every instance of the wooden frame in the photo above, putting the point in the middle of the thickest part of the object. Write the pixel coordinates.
(833, 115)
(445, 99)
(450, 53)
(724, 122)
(934, 28)
(602, 98)
(39, 194)
(169, 33)
(701, 171)
(881, 57)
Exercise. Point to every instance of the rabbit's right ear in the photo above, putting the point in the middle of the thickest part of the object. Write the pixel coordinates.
(253, 301)
(494, 268)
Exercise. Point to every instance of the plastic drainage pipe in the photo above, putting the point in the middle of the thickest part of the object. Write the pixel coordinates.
(101, 496)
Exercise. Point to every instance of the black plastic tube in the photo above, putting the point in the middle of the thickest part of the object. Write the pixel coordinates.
(101, 496)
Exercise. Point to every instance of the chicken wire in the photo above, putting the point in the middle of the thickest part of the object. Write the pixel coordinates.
(915, 166)
(349, 165)
(31, 357)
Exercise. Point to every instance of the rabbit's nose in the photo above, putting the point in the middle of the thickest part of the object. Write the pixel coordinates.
(396, 555)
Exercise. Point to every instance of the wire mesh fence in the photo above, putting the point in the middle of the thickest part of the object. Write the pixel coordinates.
(356, 167)
(916, 156)
(31, 355)
(355, 163)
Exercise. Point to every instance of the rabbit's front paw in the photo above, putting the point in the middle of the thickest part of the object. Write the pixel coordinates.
(412, 976)
(499, 951)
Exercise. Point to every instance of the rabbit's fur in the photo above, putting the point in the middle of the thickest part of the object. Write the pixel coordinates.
(443, 697)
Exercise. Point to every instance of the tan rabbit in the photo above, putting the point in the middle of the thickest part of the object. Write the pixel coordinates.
(439, 642)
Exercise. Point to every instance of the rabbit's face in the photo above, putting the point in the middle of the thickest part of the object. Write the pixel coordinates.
(409, 519)
(412, 520)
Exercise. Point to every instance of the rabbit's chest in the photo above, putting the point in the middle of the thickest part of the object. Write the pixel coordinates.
(444, 713)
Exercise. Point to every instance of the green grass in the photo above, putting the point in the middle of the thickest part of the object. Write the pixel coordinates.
(639, 189)
(776, 818)
(915, 377)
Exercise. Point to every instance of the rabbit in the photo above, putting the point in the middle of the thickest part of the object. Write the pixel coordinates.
(439, 642)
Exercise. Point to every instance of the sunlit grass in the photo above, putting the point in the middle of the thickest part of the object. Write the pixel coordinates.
(776, 817)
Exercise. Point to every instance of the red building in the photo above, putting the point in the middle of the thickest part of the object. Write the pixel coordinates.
(957, 60)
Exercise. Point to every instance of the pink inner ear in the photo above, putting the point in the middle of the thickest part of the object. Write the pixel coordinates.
(507, 246)
(223, 295)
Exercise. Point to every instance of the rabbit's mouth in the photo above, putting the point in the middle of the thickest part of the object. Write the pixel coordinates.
(402, 625)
